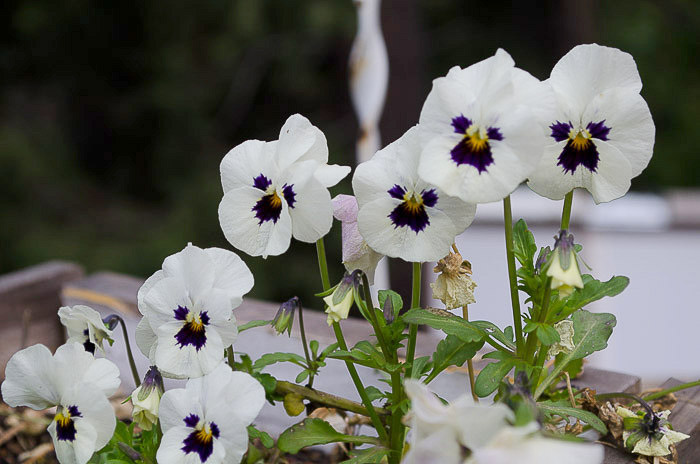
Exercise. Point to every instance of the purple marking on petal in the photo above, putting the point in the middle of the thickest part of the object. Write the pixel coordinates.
(73, 410)
(289, 195)
(430, 197)
(268, 208)
(193, 333)
(560, 130)
(414, 217)
(397, 192)
(214, 429)
(87, 344)
(598, 130)
(204, 317)
(464, 153)
(571, 157)
(65, 427)
(494, 133)
(181, 313)
(192, 420)
(261, 182)
(198, 442)
(461, 124)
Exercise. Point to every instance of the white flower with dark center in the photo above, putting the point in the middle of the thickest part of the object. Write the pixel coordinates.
(483, 129)
(206, 422)
(276, 190)
(401, 215)
(85, 326)
(602, 133)
(188, 310)
(77, 384)
(648, 432)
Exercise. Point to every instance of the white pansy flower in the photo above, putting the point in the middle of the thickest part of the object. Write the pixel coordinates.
(146, 399)
(602, 133)
(401, 215)
(188, 310)
(85, 326)
(77, 384)
(356, 253)
(483, 129)
(206, 422)
(649, 433)
(274, 191)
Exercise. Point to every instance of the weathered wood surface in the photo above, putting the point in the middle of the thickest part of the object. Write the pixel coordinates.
(685, 418)
(29, 300)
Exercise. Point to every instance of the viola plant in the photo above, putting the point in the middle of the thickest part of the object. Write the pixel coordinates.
(483, 131)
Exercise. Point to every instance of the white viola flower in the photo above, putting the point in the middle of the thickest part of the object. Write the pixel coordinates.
(146, 399)
(401, 215)
(649, 433)
(206, 422)
(602, 133)
(274, 191)
(85, 326)
(188, 310)
(483, 129)
(356, 253)
(77, 384)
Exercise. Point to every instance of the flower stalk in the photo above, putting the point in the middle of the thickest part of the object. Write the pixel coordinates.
(510, 256)
(113, 319)
(566, 212)
(413, 328)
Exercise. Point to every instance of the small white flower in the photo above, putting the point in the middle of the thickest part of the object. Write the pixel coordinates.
(84, 325)
(650, 435)
(341, 300)
(563, 267)
(602, 133)
(146, 399)
(77, 384)
(356, 253)
(483, 129)
(206, 421)
(565, 329)
(276, 190)
(400, 215)
(188, 310)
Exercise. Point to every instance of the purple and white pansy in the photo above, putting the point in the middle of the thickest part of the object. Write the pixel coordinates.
(601, 133)
(274, 191)
(187, 310)
(400, 215)
(482, 129)
(206, 422)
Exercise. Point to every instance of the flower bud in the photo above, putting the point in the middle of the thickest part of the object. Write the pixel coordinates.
(146, 399)
(388, 310)
(563, 266)
(284, 319)
(340, 301)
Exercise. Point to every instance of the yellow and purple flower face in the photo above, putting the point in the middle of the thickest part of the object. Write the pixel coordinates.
(399, 214)
(602, 134)
(482, 129)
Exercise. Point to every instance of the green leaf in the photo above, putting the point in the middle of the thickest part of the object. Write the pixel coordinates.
(367, 456)
(451, 351)
(593, 290)
(313, 346)
(591, 333)
(445, 321)
(560, 409)
(268, 382)
(302, 376)
(316, 432)
(272, 358)
(420, 367)
(574, 367)
(547, 334)
(492, 374)
(252, 324)
(373, 393)
(524, 246)
(327, 350)
(265, 439)
(396, 301)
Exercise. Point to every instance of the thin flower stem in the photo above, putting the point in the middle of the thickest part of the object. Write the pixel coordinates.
(541, 317)
(230, 357)
(510, 256)
(566, 212)
(665, 392)
(371, 412)
(413, 328)
(470, 364)
(388, 355)
(132, 364)
(644, 404)
(306, 346)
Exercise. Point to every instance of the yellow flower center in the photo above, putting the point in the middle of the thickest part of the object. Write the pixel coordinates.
(476, 138)
(412, 202)
(205, 435)
(63, 418)
(581, 140)
(195, 322)
(275, 200)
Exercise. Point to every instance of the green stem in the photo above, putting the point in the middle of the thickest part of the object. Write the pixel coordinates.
(566, 212)
(283, 387)
(541, 317)
(230, 357)
(510, 256)
(371, 412)
(470, 365)
(132, 364)
(388, 355)
(306, 347)
(665, 392)
(413, 328)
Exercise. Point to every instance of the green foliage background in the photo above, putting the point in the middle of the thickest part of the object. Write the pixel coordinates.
(114, 116)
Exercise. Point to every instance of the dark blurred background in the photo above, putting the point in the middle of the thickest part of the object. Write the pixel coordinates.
(114, 116)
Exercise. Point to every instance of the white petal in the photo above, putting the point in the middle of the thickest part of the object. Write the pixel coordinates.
(231, 274)
(170, 450)
(95, 409)
(145, 288)
(551, 180)
(312, 214)
(439, 447)
(234, 439)
(194, 268)
(146, 338)
(73, 363)
(242, 228)
(590, 69)
(301, 141)
(164, 298)
(187, 361)
(613, 176)
(330, 174)
(176, 405)
(81, 449)
(217, 304)
(228, 331)
(245, 396)
(29, 379)
(245, 162)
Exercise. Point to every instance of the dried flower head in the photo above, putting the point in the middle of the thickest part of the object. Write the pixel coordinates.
(454, 286)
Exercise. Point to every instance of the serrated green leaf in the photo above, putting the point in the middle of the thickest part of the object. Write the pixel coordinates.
(445, 321)
(420, 367)
(524, 246)
(593, 290)
(272, 358)
(373, 393)
(316, 432)
(264, 437)
(591, 333)
(327, 350)
(550, 408)
(302, 376)
(313, 346)
(547, 334)
(367, 456)
(491, 376)
(492, 329)
(452, 351)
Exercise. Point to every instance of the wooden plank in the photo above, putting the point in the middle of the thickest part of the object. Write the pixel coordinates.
(29, 301)
(685, 418)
